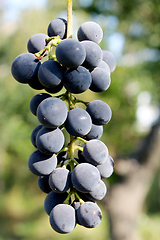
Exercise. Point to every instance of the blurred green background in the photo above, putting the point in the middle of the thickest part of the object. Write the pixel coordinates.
(132, 34)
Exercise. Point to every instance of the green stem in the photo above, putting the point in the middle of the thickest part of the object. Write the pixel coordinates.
(69, 18)
(82, 139)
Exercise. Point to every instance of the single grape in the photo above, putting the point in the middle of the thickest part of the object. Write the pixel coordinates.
(85, 177)
(36, 100)
(37, 42)
(34, 134)
(95, 132)
(70, 53)
(52, 199)
(77, 80)
(100, 80)
(109, 58)
(54, 89)
(60, 180)
(90, 31)
(94, 54)
(50, 74)
(41, 164)
(105, 66)
(63, 218)
(106, 169)
(52, 112)
(78, 122)
(43, 184)
(99, 111)
(98, 193)
(95, 152)
(57, 26)
(89, 215)
(50, 141)
(25, 67)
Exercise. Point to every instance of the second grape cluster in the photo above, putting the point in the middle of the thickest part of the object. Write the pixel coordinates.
(71, 173)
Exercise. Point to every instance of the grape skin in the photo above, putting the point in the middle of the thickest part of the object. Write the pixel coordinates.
(90, 31)
(98, 193)
(50, 141)
(50, 74)
(107, 168)
(95, 152)
(60, 180)
(77, 80)
(34, 134)
(25, 67)
(85, 177)
(89, 215)
(109, 58)
(36, 100)
(99, 111)
(78, 122)
(41, 164)
(94, 54)
(95, 132)
(43, 184)
(54, 89)
(105, 66)
(37, 42)
(70, 53)
(52, 199)
(57, 26)
(63, 218)
(100, 80)
(52, 112)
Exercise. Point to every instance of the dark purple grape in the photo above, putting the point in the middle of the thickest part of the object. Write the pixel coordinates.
(77, 80)
(50, 74)
(105, 66)
(89, 215)
(98, 193)
(100, 80)
(55, 89)
(94, 54)
(99, 111)
(52, 112)
(36, 100)
(90, 31)
(57, 26)
(106, 169)
(109, 58)
(34, 134)
(41, 164)
(95, 132)
(63, 218)
(25, 67)
(70, 53)
(37, 42)
(78, 122)
(43, 184)
(50, 141)
(95, 152)
(85, 177)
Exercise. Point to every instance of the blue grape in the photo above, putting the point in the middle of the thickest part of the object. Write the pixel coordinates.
(50, 74)
(98, 193)
(90, 31)
(52, 112)
(41, 164)
(100, 80)
(95, 152)
(77, 80)
(94, 54)
(63, 218)
(34, 134)
(95, 132)
(36, 100)
(99, 111)
(52, 199)
(78, 122)
(105, 66)
(109, 58)
(37, 42)
(89, 215)
(70, 53)
(25, 67)
(50, 141)
(57, 26)
(35, 83)
(85, 177)
(60, 180)
(54, 89)
(43, 184)
(106, 169)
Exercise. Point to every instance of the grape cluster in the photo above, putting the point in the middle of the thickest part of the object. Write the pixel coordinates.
(71, 173)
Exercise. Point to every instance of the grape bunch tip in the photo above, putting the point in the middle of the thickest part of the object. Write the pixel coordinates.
(70, 173)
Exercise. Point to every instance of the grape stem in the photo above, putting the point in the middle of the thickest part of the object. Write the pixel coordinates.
(69, 18)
